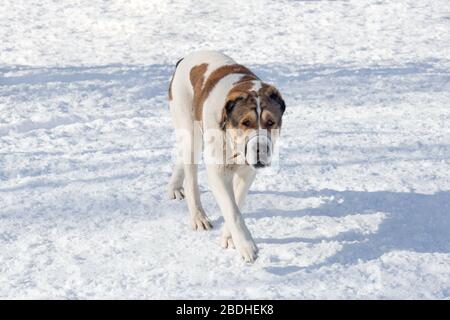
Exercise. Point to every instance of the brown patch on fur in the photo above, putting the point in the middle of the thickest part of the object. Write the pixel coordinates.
(240, 89)
(246, 78)
(197, 77)
(213, 79)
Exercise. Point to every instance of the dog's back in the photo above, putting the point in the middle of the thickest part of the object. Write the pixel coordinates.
(191, 71)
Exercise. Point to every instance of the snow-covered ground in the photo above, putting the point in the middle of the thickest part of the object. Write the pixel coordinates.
(359, 208)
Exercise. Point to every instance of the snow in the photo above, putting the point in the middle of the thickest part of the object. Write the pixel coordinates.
(358, 208)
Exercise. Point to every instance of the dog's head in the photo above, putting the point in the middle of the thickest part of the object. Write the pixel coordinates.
(253, 118)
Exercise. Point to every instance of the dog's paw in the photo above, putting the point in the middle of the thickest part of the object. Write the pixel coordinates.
(226, 242)
(247, 249)
(200, 221)
(175, 192)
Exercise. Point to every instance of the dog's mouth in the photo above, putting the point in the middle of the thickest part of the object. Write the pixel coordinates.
(259, 165)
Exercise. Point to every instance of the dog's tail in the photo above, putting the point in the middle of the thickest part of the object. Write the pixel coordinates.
(178, 63)
(171, 80)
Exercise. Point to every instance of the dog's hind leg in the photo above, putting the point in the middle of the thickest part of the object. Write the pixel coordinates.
(192, 151)
(175, 188)
(189, 147)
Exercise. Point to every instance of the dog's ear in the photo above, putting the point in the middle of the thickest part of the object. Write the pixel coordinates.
(228, 108)
(274, 96)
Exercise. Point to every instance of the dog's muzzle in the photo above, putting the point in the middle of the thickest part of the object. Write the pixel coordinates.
(258, 149)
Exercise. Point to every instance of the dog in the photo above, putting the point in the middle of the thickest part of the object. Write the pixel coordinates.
(224, 109)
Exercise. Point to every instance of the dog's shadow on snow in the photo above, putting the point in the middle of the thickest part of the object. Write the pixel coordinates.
(414, 222)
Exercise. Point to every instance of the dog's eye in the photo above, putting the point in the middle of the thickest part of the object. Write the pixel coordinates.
(246, 123)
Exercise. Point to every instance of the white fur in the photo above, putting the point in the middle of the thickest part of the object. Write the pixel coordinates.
(229, 184)
(256, 87)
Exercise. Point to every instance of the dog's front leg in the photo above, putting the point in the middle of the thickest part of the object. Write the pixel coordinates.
(221, 183)
(198, 220)
(242, 180)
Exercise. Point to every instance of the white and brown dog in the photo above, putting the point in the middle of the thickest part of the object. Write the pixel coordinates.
(222, 105)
